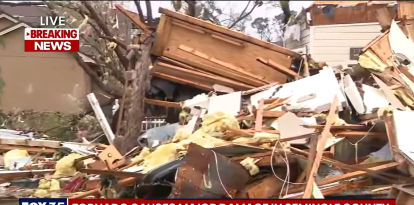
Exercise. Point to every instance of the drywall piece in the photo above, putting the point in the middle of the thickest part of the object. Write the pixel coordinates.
(101, 117)
(404, 130)
(222, 88)
(331, 140)
(200, 101)
(229, 103)
(374, 98)
(316, 192)
(266, 94)
(353, 94)
(389, 94)
(324, 85)
(400, 44)
(290, 125)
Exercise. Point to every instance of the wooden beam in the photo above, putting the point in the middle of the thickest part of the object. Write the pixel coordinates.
(321, 146)
(279, 68)
(162, 103)
(196, 74)
(183, 81)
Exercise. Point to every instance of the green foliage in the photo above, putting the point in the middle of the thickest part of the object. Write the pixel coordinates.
(55, 125)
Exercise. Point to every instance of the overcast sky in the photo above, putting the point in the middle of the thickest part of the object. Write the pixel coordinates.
(237, 6)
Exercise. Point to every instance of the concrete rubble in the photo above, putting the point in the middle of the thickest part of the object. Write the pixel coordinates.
(295, 128)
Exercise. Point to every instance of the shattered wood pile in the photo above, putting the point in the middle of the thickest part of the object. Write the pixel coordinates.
(323, 131)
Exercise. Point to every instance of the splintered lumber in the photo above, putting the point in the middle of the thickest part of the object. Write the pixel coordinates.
(279, 68)
(186, 72)
(311, 157)
(162, 103)
(183, 81)
(321, 146)
(125, 182)
(258, 89)
(101, 117)
(349, 175)
(259, 117)
(5, 148)
(134, 18)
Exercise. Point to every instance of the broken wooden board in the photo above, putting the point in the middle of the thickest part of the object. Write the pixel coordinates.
(29, 142)
(197, 76)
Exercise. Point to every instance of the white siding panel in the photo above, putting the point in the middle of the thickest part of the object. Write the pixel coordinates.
(331, 50)
(331, 44)
(345, 36)
(341, 43)
(350, 28)
(331, 57)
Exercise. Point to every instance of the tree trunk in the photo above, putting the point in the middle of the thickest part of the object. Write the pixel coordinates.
(134, 105)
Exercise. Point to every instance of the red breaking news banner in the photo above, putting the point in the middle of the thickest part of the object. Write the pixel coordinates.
(229, 202)
(52, 45)
(51, 40)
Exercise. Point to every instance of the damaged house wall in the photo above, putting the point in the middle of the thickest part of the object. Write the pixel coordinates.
(335, 33)
(28, 78)
(297, 37)
(332, 43)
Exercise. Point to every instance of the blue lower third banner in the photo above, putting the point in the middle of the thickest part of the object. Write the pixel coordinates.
(43, 201)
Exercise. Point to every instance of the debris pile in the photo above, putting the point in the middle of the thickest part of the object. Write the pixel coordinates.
(327, 132)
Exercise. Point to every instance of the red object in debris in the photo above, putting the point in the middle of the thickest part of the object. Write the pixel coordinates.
(74, 185)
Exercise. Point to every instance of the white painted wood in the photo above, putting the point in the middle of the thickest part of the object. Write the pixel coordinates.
(332, 43)
(311, 39)
(301, 50)
(331, 57)
(349, 28)
(341, 43)
(330, 50)
(304, 33)
(305, 40)
(101, 117)
(345, 36)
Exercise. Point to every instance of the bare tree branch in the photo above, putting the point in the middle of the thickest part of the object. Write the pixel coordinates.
(106, 32)
(139, 9)
(256, 4)
(241, 14)
(191, 8)
(150, 20)
(95, 78)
